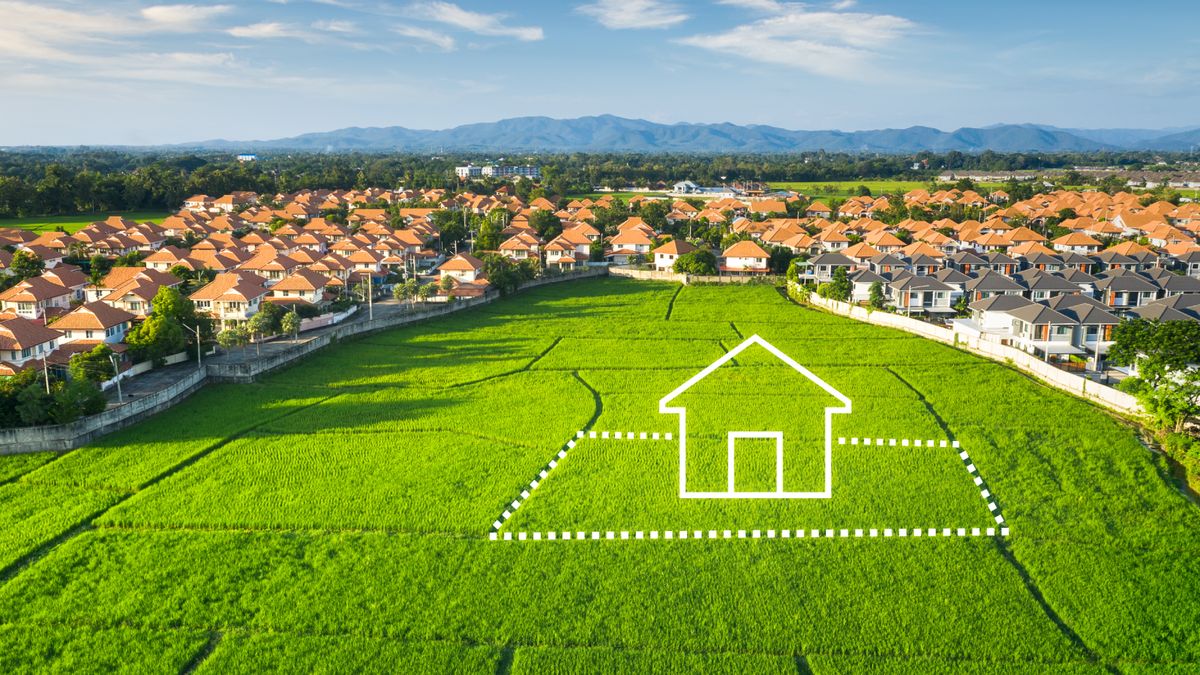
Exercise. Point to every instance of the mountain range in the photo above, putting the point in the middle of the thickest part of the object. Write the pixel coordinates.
(609, 133)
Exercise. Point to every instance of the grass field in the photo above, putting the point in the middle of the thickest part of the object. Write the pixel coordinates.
(336, 516)
(849, 188)
(78, 222)
(626, 196)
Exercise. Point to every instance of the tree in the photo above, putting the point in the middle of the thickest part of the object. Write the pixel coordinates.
(33, 404)
(92, 366)
(501, 273)
(406, 291)
(1167, 384)
(233, 337)
(424, 292)
(780, 260)
(547, 224)
(489, 237)
(76, 398)
(796, 268)
(26, 264)
(840, 288)
(157, 337)
(877, 299)
(700, 262)
(400, 292)
(180, 272)
(169, 302)
(259, 325)
(446, 283)
(97, 268)
(451, 228)
(272, 315)
(290, 323)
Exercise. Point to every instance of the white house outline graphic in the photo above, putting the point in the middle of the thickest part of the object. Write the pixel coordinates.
(779, 493)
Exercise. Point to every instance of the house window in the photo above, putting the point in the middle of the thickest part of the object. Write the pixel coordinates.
(87, 334)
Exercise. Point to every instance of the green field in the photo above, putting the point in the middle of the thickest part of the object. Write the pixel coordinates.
(626, 196)
(78, 222)
(849, 188)
(337, 516)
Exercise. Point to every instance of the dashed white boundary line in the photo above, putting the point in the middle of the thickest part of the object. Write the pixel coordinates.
(562, 454)
(993, 507)
(827, 533)
(667, 535)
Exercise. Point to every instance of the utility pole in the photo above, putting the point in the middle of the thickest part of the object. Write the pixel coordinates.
(117, 377)
(46, 374)
(370, 296)
(196, 330)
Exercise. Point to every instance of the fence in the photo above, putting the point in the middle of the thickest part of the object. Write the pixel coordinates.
(67, 436)
(646, 275)
(987, 347)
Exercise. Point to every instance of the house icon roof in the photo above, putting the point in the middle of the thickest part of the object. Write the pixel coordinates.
(664, 406)
(752, 340)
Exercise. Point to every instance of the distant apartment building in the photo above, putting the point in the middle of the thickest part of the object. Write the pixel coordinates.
(497, 171)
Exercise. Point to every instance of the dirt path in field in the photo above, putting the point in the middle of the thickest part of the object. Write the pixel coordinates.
(671, 304)
(1006, 552)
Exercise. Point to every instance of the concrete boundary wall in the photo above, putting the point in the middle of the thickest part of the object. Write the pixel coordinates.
(65, 437)
(1100, 394)
(657, 275)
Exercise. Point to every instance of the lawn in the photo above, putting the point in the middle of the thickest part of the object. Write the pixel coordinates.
(338, 515)
(79, 221)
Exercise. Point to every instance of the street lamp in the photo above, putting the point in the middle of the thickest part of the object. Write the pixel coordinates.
(196, 329)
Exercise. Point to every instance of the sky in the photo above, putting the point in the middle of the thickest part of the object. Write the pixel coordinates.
(136, 72)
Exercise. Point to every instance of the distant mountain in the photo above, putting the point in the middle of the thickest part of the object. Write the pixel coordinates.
(1186, 141)
(1122, 138)
(610, 133)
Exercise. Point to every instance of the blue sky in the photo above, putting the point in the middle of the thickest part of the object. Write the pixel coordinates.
(138, 72)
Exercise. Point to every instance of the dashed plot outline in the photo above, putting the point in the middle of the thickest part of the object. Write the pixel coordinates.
(1001, 529)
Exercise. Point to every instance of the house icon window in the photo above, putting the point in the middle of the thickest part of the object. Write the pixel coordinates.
(665, 405)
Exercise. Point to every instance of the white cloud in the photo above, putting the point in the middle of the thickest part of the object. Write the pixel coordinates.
(333, 26)
(842, 5)
(633, 14)
(843, 45)
(268, 30)
(482, 24)
(769, 6)
(439, 40)
(182, 17)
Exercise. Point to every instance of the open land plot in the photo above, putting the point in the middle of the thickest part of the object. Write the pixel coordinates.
(77, 222)
(339, 511)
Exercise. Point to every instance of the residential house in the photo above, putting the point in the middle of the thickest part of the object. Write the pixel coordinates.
(232, 297)
(1124, 290)
(463, 267)
(745, 257)
(1077, 242)
(22, 341)
(1094, 324)
(913, 294)
(94, 322)
(666, 255)
(821, 268)
(36, 299)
